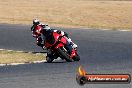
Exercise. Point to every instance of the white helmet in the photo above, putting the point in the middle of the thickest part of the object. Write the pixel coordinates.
(36, 21)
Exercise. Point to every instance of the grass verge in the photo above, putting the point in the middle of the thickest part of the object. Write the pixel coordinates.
(7, 57)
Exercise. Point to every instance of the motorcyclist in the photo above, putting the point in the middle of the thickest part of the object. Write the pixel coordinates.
(41, 31)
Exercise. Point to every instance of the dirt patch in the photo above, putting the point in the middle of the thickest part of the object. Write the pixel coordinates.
(68, 13)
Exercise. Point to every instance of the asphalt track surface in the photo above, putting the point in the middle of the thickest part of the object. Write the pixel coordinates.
(100, 51)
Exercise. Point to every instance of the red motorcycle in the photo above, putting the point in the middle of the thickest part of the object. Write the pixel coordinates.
(57, 46)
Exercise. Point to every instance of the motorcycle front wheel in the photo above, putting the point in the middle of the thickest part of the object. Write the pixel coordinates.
(76, 58)
(64, 54)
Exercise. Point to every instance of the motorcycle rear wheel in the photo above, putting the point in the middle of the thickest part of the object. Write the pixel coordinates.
(49, 59)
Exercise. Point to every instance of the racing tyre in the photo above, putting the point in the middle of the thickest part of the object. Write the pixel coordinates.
(76, 58)
(64, 54)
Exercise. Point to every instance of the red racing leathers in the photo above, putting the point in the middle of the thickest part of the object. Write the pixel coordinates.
(36, 33)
